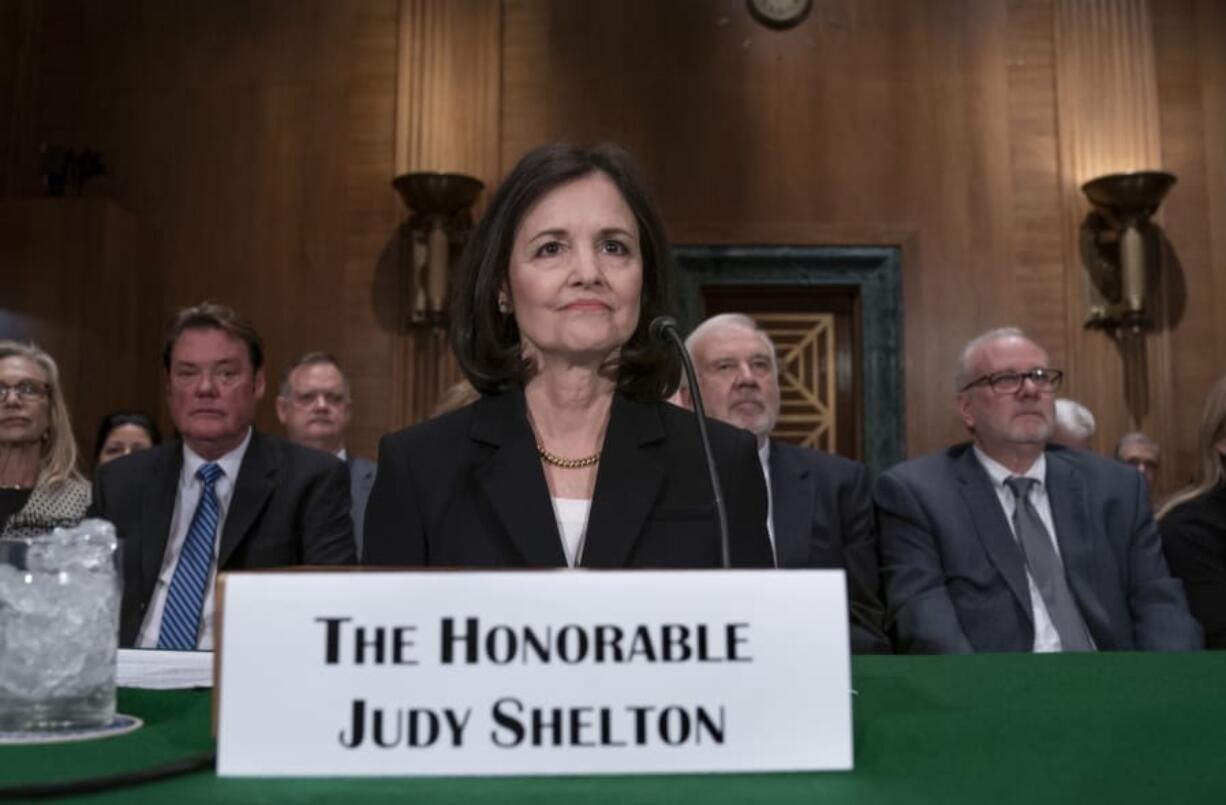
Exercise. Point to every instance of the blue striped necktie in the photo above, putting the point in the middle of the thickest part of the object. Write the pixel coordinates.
(181, 615)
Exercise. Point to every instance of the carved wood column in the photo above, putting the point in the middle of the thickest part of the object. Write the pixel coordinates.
(1108, 119)
(448, 90)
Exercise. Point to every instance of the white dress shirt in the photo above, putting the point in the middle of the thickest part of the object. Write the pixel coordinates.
(1046, 638)
(764, 456)
(186, 500)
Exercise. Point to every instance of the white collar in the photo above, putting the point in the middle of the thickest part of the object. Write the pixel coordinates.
(229, 463)
(999, 472)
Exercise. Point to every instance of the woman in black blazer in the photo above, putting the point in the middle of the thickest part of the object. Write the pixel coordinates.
(570, 456)
(1193, 524)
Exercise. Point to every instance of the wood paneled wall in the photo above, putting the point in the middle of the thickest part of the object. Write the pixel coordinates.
(83, 292)
(19, 36)
(1191, 70)
(449, 76)
(1107, 107)
(961, 130)
(254, 142)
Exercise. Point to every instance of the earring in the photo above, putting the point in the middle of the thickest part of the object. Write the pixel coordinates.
(503, 307)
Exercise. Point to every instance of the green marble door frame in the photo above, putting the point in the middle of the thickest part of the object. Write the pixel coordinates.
(874, 270)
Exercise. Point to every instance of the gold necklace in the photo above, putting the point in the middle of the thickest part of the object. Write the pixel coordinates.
(566, 463)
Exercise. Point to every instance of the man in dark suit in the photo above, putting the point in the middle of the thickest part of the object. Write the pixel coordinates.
(316, 407)
(225, 497)
(820, 505)
(1009, 543)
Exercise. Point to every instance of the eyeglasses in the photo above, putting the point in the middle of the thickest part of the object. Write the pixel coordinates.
(1011, 382)
(305, 399)
(25, 391)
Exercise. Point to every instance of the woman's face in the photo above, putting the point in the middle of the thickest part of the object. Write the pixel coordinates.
(576, 272)
(127, 438)
(25, 411)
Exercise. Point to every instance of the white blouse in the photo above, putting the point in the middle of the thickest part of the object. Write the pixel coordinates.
(571, 514)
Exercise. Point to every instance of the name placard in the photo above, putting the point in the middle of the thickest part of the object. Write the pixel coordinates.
(533, 672)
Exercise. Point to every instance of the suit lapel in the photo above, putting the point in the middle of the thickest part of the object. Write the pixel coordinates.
(1066, 492)
(792, 499)
(255, 483)
(628, 484)
(513, 480)
(161, 490)
(994, 532)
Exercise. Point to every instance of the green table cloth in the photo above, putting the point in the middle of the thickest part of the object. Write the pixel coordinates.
(985, 729)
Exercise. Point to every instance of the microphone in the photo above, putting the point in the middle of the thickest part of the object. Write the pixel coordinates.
(664, 330)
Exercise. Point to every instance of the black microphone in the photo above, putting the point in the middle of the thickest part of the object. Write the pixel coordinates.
(664, 330)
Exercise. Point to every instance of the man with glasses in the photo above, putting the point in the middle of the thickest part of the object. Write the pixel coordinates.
(1011, 543)
(222, 497)
(315, 409)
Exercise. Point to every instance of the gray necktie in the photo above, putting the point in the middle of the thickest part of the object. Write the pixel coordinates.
(1046, 568)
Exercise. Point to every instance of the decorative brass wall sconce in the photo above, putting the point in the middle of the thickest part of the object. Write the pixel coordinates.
(433, 238)
(431, 242)
(1119, 252)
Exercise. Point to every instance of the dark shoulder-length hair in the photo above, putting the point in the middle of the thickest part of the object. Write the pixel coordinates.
(487, 342)
(120, 418)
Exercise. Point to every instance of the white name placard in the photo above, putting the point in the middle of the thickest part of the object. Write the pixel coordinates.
(533, 672)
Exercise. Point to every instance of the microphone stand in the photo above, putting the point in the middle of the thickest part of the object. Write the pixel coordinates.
(664, 328)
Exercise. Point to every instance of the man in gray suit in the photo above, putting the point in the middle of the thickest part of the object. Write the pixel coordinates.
(315, 407)
(1011, 543)
(820, 507)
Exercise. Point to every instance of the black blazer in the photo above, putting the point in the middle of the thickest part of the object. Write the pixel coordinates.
(822, 508)
(1194, 540)
(290, 507)
(467, 489)
(955, 578)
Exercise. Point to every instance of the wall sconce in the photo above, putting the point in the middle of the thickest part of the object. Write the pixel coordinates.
(433, 238)
(1118, 251)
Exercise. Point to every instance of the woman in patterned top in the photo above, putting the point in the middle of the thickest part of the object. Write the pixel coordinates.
(40, 488)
